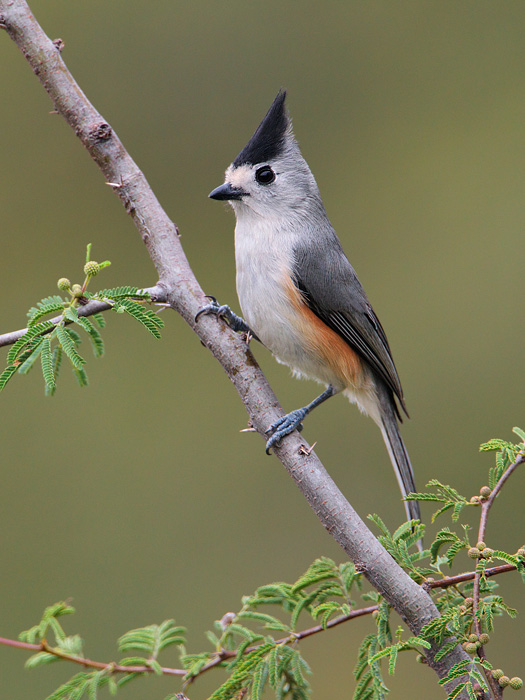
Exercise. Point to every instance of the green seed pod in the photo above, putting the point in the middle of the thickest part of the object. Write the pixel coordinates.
(91, 268)
(504, 681)
(63, 283)
(516, 682)
(473, 552)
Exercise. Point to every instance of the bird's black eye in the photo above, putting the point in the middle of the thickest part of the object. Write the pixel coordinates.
(264, 175)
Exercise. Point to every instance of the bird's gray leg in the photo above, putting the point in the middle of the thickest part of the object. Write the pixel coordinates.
(292, 421)
(235, 322)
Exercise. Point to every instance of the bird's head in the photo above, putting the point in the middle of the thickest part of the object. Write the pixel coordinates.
(269, 177)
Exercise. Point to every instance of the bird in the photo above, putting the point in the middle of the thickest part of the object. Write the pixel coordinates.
(299, 294)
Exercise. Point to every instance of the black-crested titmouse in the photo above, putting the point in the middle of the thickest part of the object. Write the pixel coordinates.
(299, 294)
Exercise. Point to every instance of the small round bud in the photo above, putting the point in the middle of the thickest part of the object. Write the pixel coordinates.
(516, 682)
(520, 552)
(473, 552)
(77, 290)
(463, 608)
(481, 545)
(475, 500)
(226, 620)
(63, 283)
(504, 681)
(473, 637)
(375, 614)
(487, 553)
(469, 602)
(464, 645)
(421, 659)
(484, 638)
(91, 268)
(485, 492)
(497, 673)
(470, 648)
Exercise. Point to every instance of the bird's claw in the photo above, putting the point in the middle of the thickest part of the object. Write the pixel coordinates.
(224, 312)
(213, 308)
(284, 426)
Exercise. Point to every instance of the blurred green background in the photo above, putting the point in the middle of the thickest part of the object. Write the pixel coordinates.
(138, 497)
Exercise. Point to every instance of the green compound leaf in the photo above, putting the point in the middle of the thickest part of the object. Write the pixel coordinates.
(38, 329)
(46, 306)
(520, 433)
(153, 638)
(320, 570)
(68, 341)
(148, 318)
(81, 377)
(94, 335)
(99, 320)
(495, 444)
(243, 673)
(47, 365)
(117, 293)
(6, 375)
(32, 352)
(73, 689)
(40, 659)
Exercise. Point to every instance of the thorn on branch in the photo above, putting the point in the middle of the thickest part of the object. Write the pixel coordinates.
(116, 185)
(307, 452)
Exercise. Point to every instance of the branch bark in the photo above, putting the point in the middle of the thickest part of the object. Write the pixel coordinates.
(184, 294)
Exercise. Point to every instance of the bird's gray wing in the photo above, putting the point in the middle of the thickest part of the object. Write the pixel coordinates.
(331, 289)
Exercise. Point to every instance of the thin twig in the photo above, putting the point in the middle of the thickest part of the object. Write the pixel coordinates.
(219, 658)
(485, 509)
(89, 309)
(88, 663)
(468, 576)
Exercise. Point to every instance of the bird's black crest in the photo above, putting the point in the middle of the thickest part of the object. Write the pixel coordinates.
(268, 140)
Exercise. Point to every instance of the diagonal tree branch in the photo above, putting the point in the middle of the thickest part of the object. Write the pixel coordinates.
(185, 295)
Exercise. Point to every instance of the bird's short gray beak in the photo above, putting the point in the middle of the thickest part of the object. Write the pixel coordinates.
(227, 192)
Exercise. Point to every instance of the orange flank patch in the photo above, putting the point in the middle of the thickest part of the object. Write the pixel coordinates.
(325, 343)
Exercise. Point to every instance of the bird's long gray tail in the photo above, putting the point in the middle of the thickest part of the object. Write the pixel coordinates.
(399, 456)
